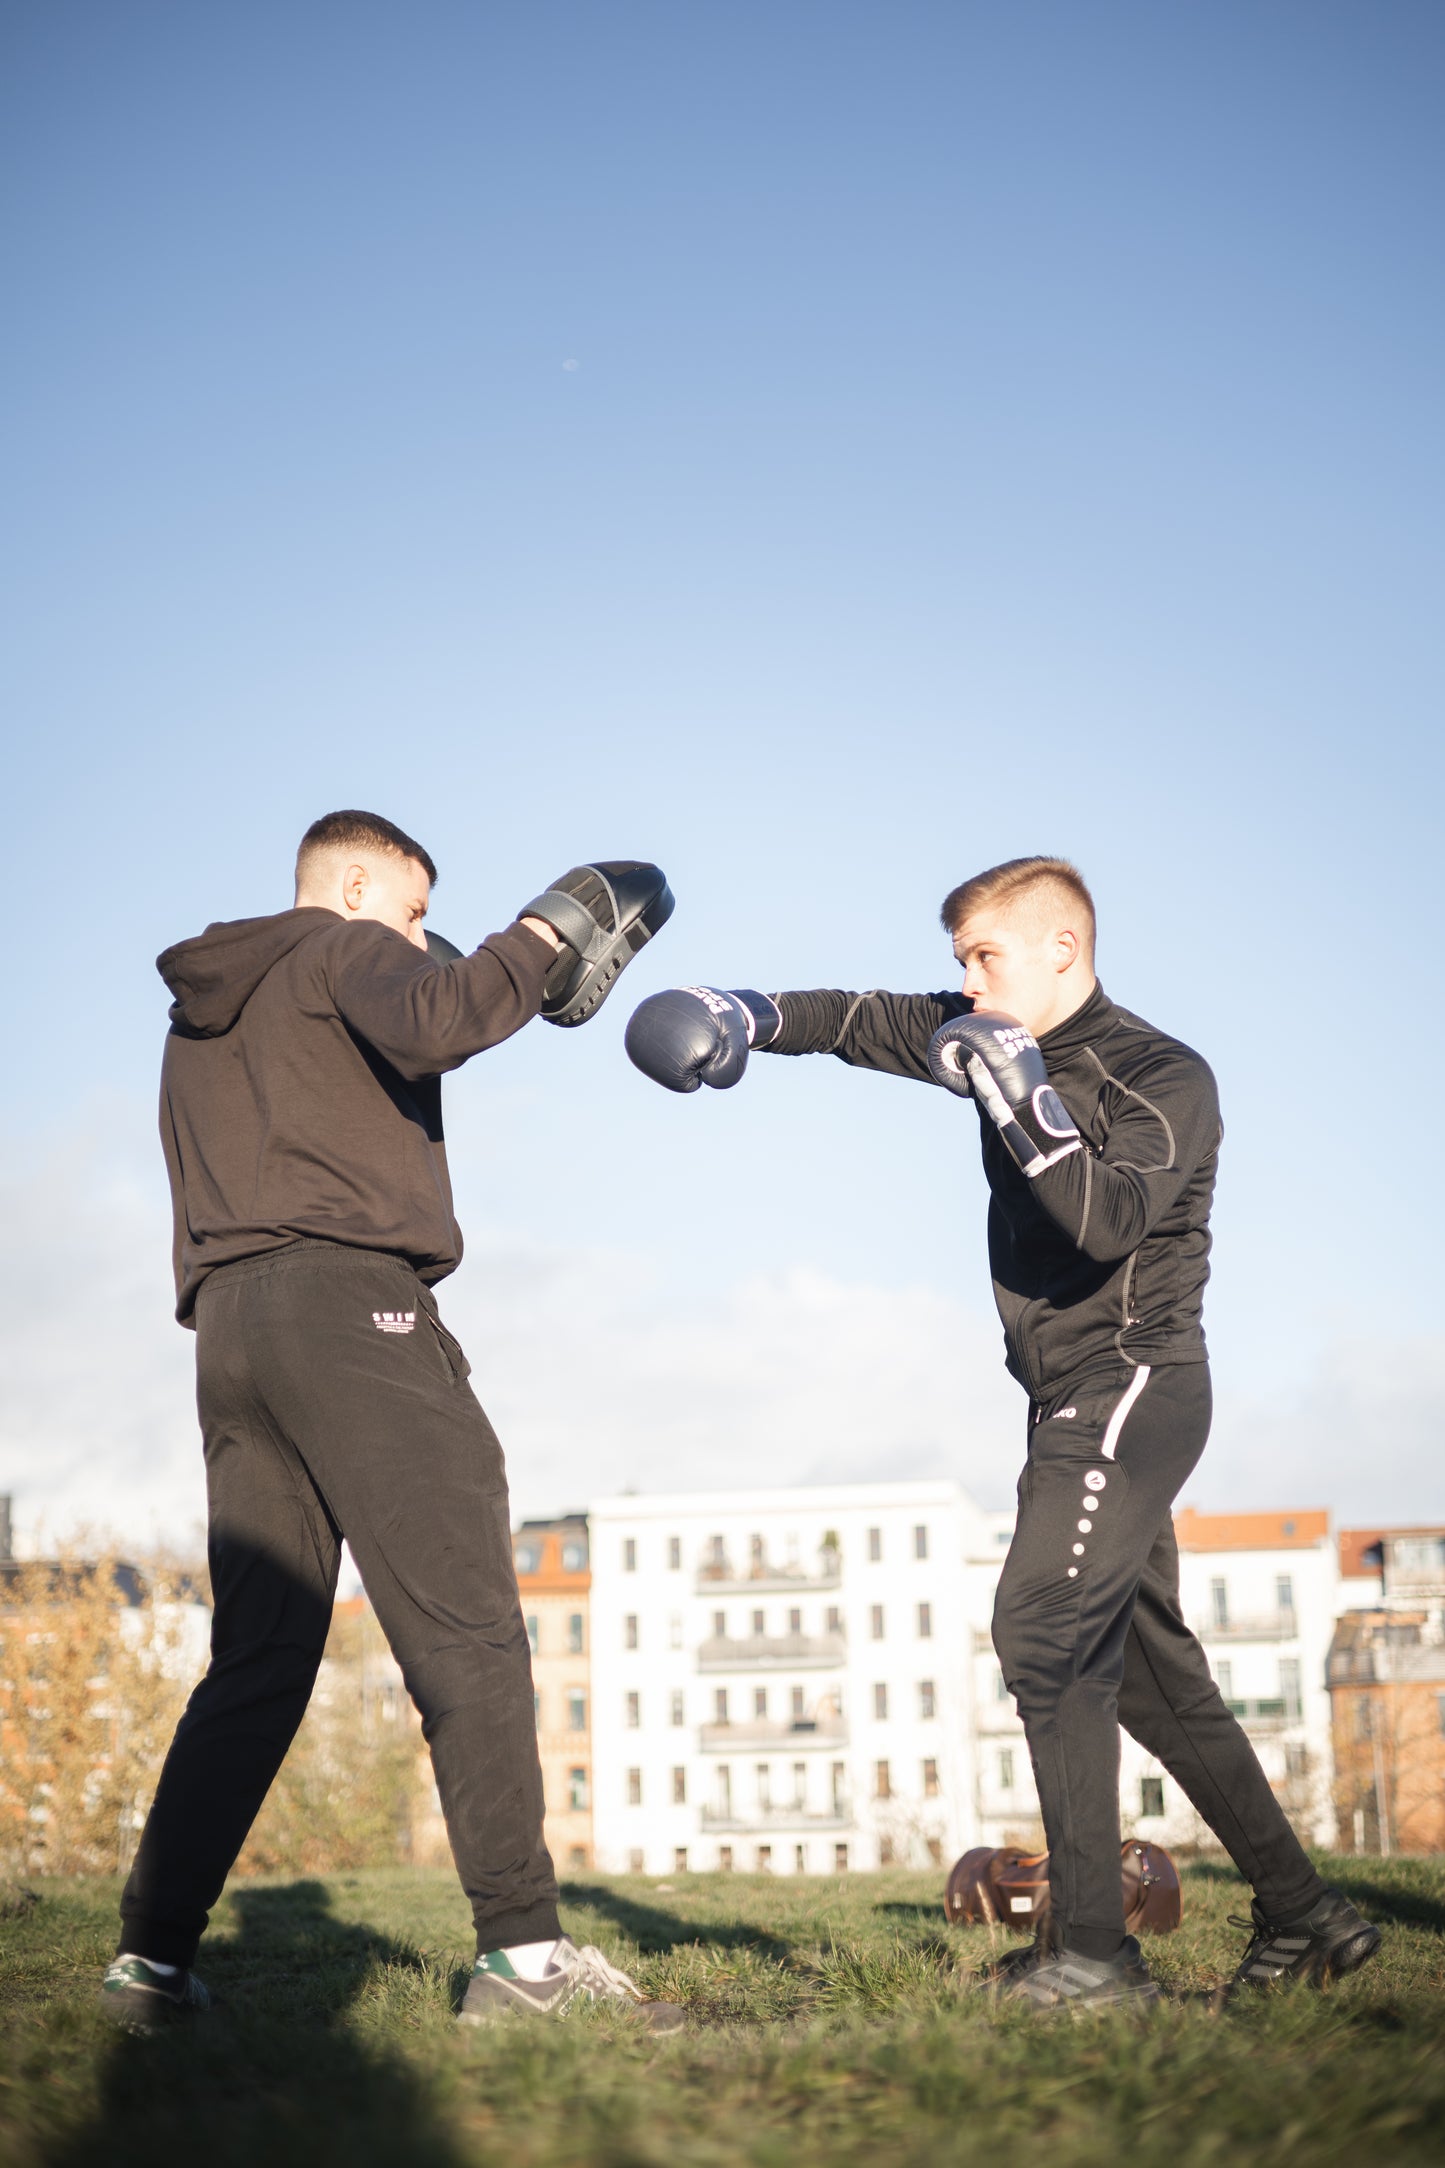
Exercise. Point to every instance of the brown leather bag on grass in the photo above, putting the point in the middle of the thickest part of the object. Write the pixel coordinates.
(1009, 1887)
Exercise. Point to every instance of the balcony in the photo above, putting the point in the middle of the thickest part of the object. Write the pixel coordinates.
(1263, 1626)
(827, 1731)
(719, 1577)
(1271, 1714)
(773, 1652)
(757, 1821)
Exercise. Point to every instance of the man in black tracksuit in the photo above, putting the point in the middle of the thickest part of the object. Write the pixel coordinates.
(1100, 1146)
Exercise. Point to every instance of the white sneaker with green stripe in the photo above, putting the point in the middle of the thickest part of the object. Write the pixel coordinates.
(142, 1996)
(496, 1991)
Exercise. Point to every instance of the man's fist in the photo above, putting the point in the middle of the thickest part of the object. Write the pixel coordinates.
(996, 1060)
(694, 1035)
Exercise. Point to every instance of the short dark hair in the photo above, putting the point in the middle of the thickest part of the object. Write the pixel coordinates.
(1046, 884)
(351, 830)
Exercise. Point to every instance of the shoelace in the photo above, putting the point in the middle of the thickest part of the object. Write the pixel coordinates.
(597, 1974)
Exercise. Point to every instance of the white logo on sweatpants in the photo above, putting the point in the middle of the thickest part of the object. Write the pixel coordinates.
(394, 1320)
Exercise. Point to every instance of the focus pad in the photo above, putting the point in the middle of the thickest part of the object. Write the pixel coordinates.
(603, 914)
(440, 950)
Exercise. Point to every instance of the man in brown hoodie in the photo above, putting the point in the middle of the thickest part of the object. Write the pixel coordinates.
(301, 1120)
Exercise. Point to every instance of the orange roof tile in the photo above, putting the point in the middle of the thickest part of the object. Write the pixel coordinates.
(1298, 1531)
(1354, 1542)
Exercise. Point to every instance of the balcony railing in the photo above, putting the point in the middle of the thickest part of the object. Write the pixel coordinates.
(719, 1577)
(1262, 1626)
(1268, 1714)
(807, 1732)
(778, 1652)
(744, 1819)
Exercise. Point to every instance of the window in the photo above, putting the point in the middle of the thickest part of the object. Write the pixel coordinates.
(532, 1635)
(758, 1625)
(527, 1558)
(876, 1622)
(1364, 1717)
(719, 1625)
(679, 1787)
(765, 1859)
(674, 1554)
(799, 1706)
(926, 1700)
(679, 1859)
(1284, 1592)
(1000, 1687)
(885, 1851)
(725, 1858)
(724, 1782)
(925, 1622)
(574, 1557)
(795, 1622)
(763, 1778)
(840, 1787)
(835, 1619)
(537, 1709)
(633, 1718)
(1440, 1712)
(1296, 1759)
(760, 1702)
(757, 1552)
(880, 1704)
(1219, 1603)
(1224, 1673)
(875, 1545)
(920, 1541)
(635, 1862)
(800, 1859)
(716, 1552)
(629, 1631)
(574, 1634)
(930, 1780)
(577, 1709)
(634, 1787)
(840, 1859)
(674, 1631)
(1289, 1685)
(935, 1850)
(800, 1783)
(577, 1790)
(1006, 1769)
(629, 1554)
(720, 1705)
(576, 1856)
(677, 1706)
(882, 1781)
(1151, 1797)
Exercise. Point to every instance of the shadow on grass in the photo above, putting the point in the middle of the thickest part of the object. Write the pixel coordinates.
(269, 2076)
(656, 1931)
(1382, 1901)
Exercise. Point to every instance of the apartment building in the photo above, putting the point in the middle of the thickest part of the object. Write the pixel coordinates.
(781, 1679)
(1387, 1691)
(554, 1581)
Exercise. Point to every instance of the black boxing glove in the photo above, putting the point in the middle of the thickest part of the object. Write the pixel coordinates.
(694, 1035)
(996, 1060)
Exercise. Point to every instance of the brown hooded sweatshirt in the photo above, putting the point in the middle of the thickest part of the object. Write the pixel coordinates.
(301, 1086)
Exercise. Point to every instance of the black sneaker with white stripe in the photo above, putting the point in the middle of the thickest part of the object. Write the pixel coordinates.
(495, 1991)
(142, 1997)
(1323, 1944)
(1064, 1981)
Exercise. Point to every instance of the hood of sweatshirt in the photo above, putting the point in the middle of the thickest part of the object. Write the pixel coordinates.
(214, 975)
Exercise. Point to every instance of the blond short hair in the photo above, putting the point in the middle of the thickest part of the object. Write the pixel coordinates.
(1033, 888)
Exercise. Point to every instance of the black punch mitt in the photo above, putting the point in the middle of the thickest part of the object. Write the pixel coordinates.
(602, 915)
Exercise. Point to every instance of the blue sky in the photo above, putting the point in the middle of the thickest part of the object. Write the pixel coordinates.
(827, 449)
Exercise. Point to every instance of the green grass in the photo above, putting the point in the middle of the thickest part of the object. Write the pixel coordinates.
(831, 2022)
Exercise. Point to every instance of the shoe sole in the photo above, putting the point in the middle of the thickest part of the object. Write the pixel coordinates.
(136, 2011)
(493, 2005)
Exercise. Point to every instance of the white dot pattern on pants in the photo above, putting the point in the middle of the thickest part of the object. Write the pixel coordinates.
(1073, 1573)
(1078, 1550)
(1084, 1527)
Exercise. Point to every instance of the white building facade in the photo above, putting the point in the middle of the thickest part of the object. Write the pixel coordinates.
(782, 1679)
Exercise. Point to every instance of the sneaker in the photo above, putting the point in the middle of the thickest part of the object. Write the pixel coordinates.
(134, 1994)
(1323, 1944)
(494, 1989)
(1063, 1980)
(999, 1973)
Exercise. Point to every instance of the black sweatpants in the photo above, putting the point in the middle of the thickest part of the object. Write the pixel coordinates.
(1090, 1634)
(334, 1403)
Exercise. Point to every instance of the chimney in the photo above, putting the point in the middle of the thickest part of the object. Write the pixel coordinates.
(6, 1543)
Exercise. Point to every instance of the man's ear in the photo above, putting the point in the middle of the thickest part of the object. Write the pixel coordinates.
(1067, 949)
(355, 881)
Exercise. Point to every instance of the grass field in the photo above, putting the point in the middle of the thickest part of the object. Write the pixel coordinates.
(831, 2022)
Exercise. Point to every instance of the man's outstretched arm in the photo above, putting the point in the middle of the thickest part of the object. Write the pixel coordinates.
(694, 1035)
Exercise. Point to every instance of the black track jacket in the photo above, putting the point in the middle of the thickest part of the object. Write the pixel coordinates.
(1103, 1257)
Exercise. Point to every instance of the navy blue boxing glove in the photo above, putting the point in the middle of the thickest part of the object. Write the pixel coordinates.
(996, 1060)
(694, 1035)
